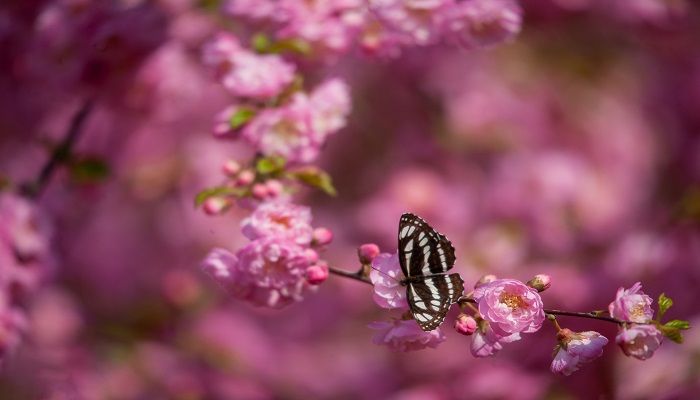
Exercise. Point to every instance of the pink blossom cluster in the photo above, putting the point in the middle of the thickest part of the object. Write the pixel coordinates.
(637, 338)
(331, 28)
(297, 126)
(24, 260)
(281, 262)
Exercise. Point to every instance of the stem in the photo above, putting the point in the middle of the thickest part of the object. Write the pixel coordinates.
(61, 152)
(354, 275)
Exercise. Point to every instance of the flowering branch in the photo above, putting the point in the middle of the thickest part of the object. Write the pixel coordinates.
(359, 275)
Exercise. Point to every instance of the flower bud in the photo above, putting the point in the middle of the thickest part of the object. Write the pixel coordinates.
(485, 279)
(317, 273)
(274, 187)
(231, 167)
(216, 205)
(245, 178)
(322, 236)
(540, 282)
(367, 252)
(311, 255)
(465, 324)
(259, 191)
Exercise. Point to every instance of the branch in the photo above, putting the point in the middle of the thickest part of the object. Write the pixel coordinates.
(61, 152)
(354, 275)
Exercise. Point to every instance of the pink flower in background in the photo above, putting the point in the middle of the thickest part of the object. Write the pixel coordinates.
(575, 349)
(485, 342)
(279, 219)
(255, 9)
(510, 306)
(285, 131)
(417, 21)
(385, 276)
(405, 335)
(269, 271)
(639, 341)
(222, 122)
(483, 23)
(632, 305)
(244, 73)
(331, 103)
(22, 230)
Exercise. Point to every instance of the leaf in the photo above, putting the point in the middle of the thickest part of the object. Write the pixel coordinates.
(316, 178)
(261, 43)
(678, 324)
(664, 304)
(270, 165)
(88, 169)
(241, 116)
(673, 334)
(216, 191)
(292, 45)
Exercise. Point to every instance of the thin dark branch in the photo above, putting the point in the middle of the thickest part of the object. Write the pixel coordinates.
(61, 152)
(353, 275)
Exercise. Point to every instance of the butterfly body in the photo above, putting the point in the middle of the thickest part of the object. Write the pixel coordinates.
(425, 256)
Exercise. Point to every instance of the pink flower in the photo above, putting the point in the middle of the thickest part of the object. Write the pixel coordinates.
(286, 131)
(575, 349)
(486, 342)
(331, 104)
(405, 335)
(280, 219)
(269, 271)
(510, 306)
(639, 341)
(322, 236)
(483, 23)
(245, 73)
(418, 22)
(632, 305)
(385, 276)
(540, 282)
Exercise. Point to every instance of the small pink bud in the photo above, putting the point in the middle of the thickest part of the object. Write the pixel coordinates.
(311, 255)
(322, 236)
(465, 324)
(231, 167)
(274, 187)
(485, 279)
(259, 191)
(216, 205)
(245, 178)
(540, 282)
(317, 273)
(367, 252)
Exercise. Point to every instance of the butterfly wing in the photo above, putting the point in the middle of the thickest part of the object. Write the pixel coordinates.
(422, 250)
(430, 298)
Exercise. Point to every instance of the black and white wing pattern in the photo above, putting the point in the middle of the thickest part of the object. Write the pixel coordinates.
(425, 256)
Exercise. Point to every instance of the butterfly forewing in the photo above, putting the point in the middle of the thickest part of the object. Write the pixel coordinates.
(422, 250)
(425, 255)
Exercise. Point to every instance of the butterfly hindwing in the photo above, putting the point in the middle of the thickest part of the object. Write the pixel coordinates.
(425, 255)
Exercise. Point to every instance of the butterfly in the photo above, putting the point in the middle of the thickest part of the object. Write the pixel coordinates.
(425, 256)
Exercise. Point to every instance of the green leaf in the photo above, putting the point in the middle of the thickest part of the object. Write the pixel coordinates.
(291, 45)
(664, 304)
(270, 165)
(673, 334)
(261, 43)
(88, 169)
(216, 191)
(316, 178)
(241, 117)
(678, 324)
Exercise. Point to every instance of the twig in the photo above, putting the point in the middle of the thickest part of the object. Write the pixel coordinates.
(354, 275)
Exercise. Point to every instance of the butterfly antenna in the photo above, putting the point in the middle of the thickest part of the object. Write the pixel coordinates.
(387, 275)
